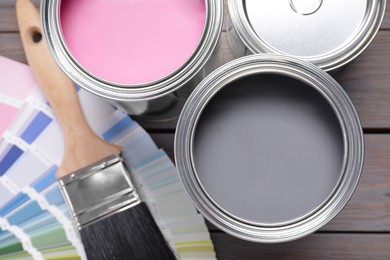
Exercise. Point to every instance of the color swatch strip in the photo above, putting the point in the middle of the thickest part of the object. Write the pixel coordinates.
(34, 219)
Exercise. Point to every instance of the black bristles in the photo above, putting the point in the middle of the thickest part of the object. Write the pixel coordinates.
(131, 234)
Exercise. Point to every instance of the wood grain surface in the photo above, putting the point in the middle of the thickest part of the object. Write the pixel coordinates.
(318, 246)
(366, 80)
(362, 229)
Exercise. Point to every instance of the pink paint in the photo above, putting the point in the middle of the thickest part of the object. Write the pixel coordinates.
(132, 41)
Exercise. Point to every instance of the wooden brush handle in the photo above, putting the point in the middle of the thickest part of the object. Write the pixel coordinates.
(82, 146)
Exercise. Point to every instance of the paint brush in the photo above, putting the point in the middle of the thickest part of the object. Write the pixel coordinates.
(113, 221)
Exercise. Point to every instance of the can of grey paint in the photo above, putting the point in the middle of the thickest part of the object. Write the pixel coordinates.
(326, 33)
(269, 148)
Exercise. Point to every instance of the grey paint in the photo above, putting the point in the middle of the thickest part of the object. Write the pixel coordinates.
(268, 149)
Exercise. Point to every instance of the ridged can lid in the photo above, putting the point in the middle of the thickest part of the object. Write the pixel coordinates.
(327, 33)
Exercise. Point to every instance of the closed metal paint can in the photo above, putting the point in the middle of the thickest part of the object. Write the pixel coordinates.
(147, 55)
(327, 33)
(269, 148)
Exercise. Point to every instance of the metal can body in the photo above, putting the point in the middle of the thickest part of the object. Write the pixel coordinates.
(233, 217)
(319, 35)
(158, 99)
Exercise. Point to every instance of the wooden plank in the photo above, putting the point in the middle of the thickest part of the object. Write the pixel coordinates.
(365, 80)
(386, 19)
(165, 141)
(369, 208)
(8, 16)
(317, 246)
(11, 47)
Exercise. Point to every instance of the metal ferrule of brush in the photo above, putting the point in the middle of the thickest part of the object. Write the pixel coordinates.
(99, 190)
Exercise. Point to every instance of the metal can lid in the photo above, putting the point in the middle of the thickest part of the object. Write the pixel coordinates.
(324, 32)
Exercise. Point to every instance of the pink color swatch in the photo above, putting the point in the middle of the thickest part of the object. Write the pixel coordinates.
(7, 114)
(16, 80)
(16, 83)
(132, 41)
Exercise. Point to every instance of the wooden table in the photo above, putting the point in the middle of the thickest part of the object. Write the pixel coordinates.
(362, 229)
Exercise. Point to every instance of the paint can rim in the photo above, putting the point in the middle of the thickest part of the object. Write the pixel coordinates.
(130, 92)
(351, 130)
(328, 61)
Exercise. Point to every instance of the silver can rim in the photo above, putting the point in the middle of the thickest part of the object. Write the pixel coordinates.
(130, 92)
(343, 108)
(329, 61)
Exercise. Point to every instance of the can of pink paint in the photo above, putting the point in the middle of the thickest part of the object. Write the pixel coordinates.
(147, 55)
